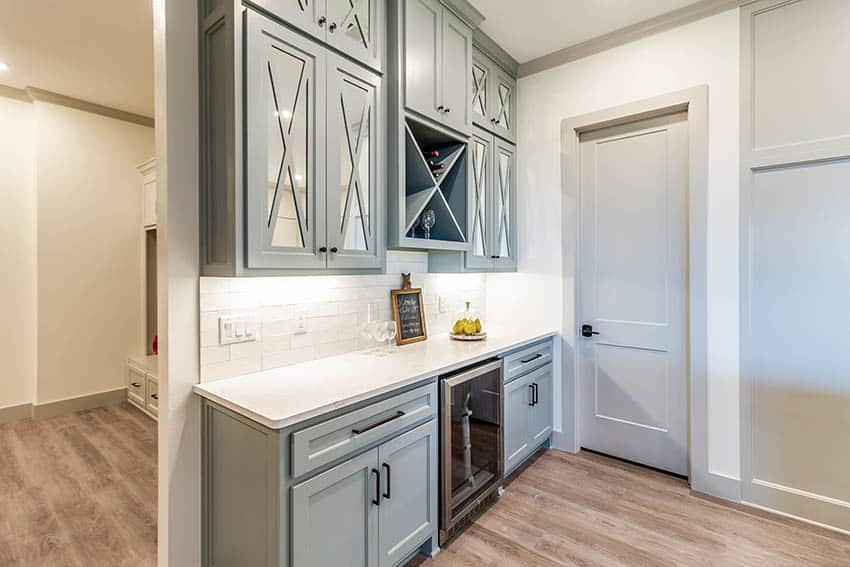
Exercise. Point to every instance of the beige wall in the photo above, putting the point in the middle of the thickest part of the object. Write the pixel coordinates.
(89, 246)
(703, 52)
(17, 253)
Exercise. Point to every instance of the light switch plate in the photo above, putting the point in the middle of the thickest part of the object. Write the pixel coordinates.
(237, 329)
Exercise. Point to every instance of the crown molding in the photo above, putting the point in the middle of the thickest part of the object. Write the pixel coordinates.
(465, 11)
(685, 15)
(494, 51)
(32, 94)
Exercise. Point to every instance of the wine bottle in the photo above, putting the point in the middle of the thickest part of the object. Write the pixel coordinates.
(432, 153)
(434, 166)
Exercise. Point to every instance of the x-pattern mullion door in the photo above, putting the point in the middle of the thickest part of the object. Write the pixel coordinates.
(481, 199)
(505, 210)
(353, 170)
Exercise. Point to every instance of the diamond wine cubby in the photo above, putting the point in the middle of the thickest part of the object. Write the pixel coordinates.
(435, 205)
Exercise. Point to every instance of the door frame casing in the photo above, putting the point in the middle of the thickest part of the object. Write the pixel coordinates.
(693, 101)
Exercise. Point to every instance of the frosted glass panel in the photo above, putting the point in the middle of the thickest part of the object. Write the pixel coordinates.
(354, 167)
(479, 171)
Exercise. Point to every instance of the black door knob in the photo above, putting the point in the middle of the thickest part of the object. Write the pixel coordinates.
(587, 331)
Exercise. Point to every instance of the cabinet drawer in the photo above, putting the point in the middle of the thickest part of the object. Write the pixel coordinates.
(152, 402)
(328, 441)
(528, 359)
(136, 386)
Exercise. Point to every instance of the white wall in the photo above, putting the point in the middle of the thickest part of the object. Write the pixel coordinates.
(17, 253)
(703, 52)
(89, 246)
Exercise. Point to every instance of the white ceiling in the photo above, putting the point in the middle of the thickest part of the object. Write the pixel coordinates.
(528, 30)
(96, 50)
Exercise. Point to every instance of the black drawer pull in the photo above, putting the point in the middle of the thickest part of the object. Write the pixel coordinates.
(377, 499)
(532, 358)
(384, 421)
(389, 481)
(155, 396)
(135, 384)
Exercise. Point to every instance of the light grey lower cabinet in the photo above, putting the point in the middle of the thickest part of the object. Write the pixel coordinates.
(373, 505)
(373, 510)
(528, 415)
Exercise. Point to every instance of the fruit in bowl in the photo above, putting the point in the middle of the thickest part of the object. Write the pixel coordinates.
(467, 325)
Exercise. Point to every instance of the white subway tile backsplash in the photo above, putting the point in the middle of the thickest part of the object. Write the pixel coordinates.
(334, 309)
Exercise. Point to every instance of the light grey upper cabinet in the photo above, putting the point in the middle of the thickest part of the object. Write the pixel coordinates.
(493, 97)
(285, 139)
(408, 510)
(481, 147)
(356, 28)
(335, 516)
(292, 141)
(353, 27)
(354, 165)
(437, 63)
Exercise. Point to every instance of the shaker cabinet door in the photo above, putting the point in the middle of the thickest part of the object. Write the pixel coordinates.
(541, 413)
(408, 511)
(480, 191)
(422, 52)
(355, 27)
(285, 147)
(334, 517)
(518, 405)
(504, 206)
(354, 166)
(503, 104)
(456, 72)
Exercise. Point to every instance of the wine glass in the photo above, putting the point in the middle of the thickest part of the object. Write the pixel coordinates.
(391, 331)
(381, 334)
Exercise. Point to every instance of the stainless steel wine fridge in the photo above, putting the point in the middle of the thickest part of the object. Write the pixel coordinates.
(471, 418)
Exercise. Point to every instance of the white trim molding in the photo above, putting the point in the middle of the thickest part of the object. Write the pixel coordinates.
(680, 17)
(695, 102)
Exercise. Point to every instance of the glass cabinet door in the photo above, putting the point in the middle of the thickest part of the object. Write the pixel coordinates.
(353, 27)
(284, 100)
(480, 200)
(303, 14)
(354, 165)
(504, 221)
(480, 90)
(503, 105)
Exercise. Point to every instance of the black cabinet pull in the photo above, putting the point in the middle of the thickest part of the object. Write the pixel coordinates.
(323, 249)
(531, 387)
(322, 21)
(135, 384)
(377, 499)
(535, 392)
(440, 108)
(531, 358)
(334, 250)
(332, 27)
(389, 480)
(447, 110)
(155, 396)
(384, 421)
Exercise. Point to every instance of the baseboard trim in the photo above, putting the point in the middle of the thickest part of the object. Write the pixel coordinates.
(717, 485)
(14, 413)
(796, 518)
(71, 405)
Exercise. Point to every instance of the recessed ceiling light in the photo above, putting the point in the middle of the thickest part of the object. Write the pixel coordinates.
(3, 67)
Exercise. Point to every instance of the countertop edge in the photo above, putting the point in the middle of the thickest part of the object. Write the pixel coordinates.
(317, 411)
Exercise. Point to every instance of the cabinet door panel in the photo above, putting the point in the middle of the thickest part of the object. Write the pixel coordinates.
(285, 147)
(480, 90)
(355, 27)
(503, 104)
(504, 206)
(422, 51)
(481, 200)
(541, 413)
(334, 520)
(456, 69)
(517, 410)
(408, 511)
(355, 165)
(302, 14)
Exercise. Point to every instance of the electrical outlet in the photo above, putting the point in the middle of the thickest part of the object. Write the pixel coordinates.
(300, 320)
(238, 329)
(442, 304)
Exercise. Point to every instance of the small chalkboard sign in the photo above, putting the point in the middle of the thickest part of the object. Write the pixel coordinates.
(408, 313)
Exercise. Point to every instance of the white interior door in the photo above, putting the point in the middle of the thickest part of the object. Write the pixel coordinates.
(632, 290)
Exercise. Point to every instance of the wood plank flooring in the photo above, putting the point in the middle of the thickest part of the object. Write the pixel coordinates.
(590, 510)
(79, 490)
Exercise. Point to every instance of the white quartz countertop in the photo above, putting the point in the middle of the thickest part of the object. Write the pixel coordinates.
(285, 396)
